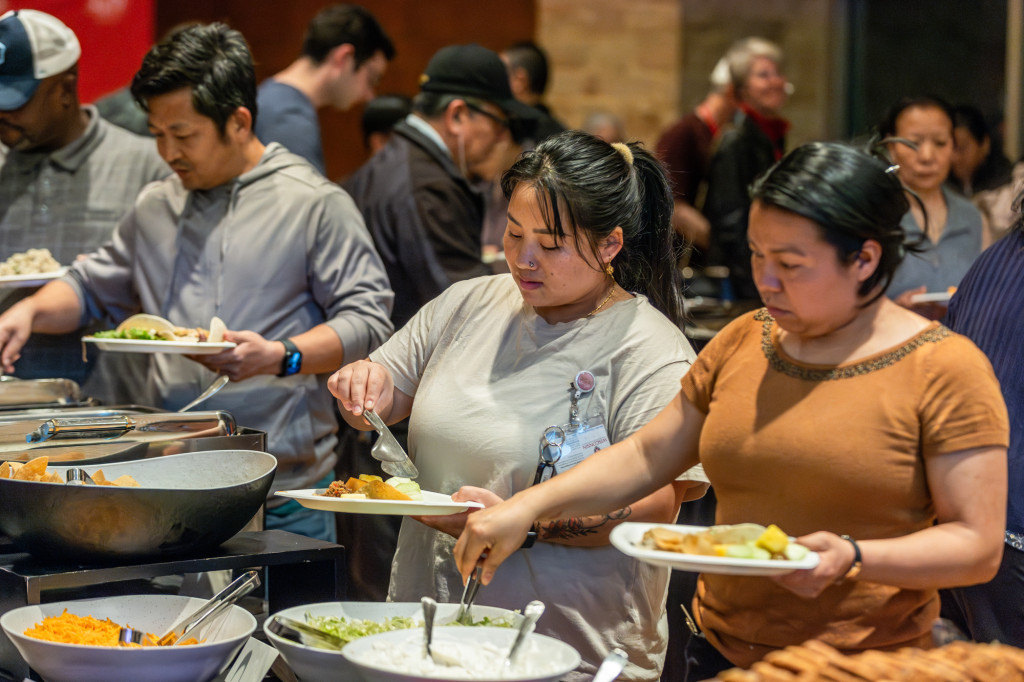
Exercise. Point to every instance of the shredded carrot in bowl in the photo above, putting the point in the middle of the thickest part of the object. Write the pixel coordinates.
(67, 628)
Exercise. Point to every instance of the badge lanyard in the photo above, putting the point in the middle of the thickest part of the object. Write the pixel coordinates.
(585, 436)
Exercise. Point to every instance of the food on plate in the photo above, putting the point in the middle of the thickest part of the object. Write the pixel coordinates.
(740, 541)
(146, 327)
(35, 470)
(67, 628)
(816, 661)
(31, 262)
(349, 629)
(370, 487)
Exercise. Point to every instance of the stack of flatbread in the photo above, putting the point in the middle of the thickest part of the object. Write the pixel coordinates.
(815, 661)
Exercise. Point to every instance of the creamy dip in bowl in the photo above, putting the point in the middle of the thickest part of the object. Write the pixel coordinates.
(463, 654)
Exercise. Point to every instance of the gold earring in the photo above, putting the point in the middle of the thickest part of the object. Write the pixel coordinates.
(609, 269)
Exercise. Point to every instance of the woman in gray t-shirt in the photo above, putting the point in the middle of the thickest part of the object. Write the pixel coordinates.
(571, 338)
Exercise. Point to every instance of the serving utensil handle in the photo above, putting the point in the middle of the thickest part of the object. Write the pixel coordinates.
(82, 427)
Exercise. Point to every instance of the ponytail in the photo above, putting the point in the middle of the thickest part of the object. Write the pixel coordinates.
(594, 187)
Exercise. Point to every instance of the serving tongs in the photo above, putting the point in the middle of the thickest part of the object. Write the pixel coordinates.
(393, 459)
(469, 594)
(297, 631)
(241, 586)
(78, 476)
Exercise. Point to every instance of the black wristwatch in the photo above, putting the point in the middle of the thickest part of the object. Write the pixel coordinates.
(291, 363)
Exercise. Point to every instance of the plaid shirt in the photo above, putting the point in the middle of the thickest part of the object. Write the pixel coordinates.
(69, 202)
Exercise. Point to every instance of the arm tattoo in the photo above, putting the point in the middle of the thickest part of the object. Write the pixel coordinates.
(579, 526)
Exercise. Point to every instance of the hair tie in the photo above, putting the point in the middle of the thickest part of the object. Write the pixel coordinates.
(624, 150)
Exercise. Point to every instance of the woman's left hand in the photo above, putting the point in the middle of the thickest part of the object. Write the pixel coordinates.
(453, 524)
(835, 558)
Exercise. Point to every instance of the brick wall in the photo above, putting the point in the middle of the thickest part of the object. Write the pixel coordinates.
(619, 56)
(648, 60)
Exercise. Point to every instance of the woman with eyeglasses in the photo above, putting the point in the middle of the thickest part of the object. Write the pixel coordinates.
(517, 378)
(876, 436)
(745, 151)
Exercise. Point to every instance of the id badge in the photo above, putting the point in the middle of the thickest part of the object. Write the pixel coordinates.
(587, 439)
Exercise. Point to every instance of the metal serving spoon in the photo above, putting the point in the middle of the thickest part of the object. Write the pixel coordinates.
(531, 613)
(217, 384)
(611, 666)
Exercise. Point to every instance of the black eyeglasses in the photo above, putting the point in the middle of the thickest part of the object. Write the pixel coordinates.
(500, 120)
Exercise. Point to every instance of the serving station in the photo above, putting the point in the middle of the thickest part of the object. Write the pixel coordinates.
(203, 481)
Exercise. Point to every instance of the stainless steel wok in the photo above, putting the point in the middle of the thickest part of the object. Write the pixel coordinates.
(186, 503)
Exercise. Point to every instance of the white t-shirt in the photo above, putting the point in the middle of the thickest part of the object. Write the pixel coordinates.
(488, 376)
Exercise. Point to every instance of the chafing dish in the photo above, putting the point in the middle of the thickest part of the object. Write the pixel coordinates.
(19, 394)
(87, 435)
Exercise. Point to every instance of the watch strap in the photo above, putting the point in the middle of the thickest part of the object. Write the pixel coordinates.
(854, 570)
(291, 363)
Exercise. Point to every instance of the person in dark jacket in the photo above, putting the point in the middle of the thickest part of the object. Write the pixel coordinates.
(415, 193)
(756, 143)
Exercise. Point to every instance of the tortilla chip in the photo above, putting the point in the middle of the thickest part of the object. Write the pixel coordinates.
(98, 478)
(125, 480)
(52, 477)
(6, 470)
(674, 541)
(33, 470)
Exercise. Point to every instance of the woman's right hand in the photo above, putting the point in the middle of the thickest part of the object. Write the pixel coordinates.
(363, 385)
(499, 531)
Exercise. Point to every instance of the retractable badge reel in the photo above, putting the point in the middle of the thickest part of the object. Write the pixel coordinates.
(580, 386)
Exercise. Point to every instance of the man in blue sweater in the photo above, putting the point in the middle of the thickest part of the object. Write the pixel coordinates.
(344, 54)
(988, 308)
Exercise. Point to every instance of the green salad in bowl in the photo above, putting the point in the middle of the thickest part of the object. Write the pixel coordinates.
(353, 620)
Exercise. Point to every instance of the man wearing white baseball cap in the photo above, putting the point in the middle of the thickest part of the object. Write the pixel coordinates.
(66, 175)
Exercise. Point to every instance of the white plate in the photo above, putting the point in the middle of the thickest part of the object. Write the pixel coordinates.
(935, 297)
(144, 346)
(432, 504)
(33, 280)
(625, 537)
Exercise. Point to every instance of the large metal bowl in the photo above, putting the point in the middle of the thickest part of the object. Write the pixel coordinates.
(56, 662)
(186, 503)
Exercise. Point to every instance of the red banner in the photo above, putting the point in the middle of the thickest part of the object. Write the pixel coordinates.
(115, 34)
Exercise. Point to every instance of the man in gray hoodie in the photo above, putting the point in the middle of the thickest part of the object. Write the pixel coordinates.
(248, 233)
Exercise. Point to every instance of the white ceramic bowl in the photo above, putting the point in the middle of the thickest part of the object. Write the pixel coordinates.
(320, 665)
(381, 658)
(57, 662)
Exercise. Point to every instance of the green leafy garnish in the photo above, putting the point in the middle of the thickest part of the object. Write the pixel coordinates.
(349, 629)
(134, 334)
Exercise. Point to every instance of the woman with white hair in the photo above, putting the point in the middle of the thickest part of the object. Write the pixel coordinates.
(757, 142)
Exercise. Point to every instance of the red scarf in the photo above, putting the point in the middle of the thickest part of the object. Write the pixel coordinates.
(774, 128)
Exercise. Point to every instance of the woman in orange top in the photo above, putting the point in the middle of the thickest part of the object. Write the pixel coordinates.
(877, 436)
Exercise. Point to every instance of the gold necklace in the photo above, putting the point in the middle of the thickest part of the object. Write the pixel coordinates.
(606, 299)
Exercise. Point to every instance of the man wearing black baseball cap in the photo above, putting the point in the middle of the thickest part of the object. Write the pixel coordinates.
(66, 178)
(415, 194)
(426, 220)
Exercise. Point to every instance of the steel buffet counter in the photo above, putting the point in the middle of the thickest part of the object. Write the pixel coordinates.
(299, 570)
